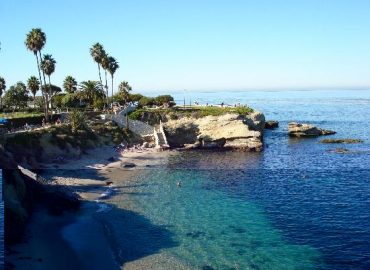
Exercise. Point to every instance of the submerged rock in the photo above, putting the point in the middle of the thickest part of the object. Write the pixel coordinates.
(128, 165)
(306, 130)
(340, 150)
(271, 124)
(341, 141)
(230, 131)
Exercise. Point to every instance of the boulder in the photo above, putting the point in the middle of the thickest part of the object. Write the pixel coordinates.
(306, 130)
(225, 131)
(271, 124)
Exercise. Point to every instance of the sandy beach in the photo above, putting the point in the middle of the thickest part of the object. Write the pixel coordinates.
(95, 177)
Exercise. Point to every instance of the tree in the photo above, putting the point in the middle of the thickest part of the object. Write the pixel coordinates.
(58, 100)
(35, 41)
(97, 53)
(71, 100)
(48, 67)
(70, 85)
(91, 90)
(2, 90)
(146, 101)
(39, 102)
(16, 96)
(105, 66)
(33, 86)
(53, 89)
(164, 99)
(112, 67)
(124, 91)
(135, 97)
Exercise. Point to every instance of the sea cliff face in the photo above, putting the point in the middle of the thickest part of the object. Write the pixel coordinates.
(230, 131)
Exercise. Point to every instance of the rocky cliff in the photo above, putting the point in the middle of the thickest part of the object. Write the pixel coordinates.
(231, 131)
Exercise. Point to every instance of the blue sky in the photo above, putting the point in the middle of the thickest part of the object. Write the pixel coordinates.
(196, 45)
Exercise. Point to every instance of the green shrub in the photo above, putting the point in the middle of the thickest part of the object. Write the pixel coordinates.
(77, 120)
(136, 115)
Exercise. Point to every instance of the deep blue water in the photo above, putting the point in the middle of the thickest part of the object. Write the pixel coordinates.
(296, 205)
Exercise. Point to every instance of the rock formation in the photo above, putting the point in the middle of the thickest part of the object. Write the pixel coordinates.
(230, 131)
(306, 130)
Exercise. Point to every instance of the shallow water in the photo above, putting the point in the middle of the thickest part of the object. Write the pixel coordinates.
(297, 205)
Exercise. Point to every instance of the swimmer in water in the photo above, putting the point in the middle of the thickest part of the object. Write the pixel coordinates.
(179, 183)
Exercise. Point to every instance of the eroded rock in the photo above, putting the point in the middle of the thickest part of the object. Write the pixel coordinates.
(306, 130)
(231, 131)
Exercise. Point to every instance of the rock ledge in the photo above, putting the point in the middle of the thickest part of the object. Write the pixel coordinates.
(306, 130)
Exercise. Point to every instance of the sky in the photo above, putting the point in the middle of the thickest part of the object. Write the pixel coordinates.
(172, 45)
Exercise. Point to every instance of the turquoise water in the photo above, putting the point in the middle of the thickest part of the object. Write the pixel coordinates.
(215, 229)
(296, 205)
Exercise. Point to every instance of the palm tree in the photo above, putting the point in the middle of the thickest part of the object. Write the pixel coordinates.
(97, 52)
(33, 85)
(112, 67)
(91, 90)
(2, 90)
(70, 85)
(35, 41)
(124, 90)
(48, 67)
(105, 66)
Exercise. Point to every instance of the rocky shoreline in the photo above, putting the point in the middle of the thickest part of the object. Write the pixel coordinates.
(228, 131)
(306, 130)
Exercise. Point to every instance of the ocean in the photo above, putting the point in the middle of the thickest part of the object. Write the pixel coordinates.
(296, 205)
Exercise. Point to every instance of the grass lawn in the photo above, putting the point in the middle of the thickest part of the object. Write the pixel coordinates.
(194, 111)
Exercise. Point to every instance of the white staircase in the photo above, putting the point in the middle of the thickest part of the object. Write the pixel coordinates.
(160, 137)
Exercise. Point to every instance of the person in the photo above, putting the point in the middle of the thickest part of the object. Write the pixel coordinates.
(222, 104)
(43, 122)
(179, 183)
